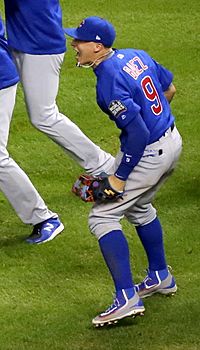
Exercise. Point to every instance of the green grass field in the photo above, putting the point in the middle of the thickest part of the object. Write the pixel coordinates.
(50, 293)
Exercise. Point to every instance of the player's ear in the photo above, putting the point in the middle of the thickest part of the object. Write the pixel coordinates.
(98, 47)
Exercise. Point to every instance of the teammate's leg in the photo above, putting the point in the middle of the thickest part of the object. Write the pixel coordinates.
(14, 183)
(40, 79)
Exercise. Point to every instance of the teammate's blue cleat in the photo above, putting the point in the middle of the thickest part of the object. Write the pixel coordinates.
(160, 281)
(45, 231)
(126, 304)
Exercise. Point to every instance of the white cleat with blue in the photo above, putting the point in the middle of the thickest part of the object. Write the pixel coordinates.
(126, 304)
(161, 282)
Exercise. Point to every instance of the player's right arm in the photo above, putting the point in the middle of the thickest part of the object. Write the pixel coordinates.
(170, 92)
(165, 78)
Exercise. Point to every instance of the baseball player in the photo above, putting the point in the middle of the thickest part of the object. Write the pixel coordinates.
(14, 183)
(134, 91)
(38, 43)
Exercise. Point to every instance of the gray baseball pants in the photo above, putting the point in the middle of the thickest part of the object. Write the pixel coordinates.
(39, 76)
(14, 183)
(156, 165)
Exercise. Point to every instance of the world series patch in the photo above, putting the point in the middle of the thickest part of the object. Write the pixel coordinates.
(116, 107)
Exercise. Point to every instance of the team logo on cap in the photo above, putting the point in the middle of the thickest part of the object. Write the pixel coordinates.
(81, 24)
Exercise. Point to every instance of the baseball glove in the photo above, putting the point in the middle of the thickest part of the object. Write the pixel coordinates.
(91, 189)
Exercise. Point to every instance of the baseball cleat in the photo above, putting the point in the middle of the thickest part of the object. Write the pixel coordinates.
(45, 231)
(126, 304)
(160, 281)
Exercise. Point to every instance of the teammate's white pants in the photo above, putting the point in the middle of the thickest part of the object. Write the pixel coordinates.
(158, 162)
(14, 183)
(39, 76)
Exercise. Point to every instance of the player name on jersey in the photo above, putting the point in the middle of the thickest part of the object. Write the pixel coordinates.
(135, 67)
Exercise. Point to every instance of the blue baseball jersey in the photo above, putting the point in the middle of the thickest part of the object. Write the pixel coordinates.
(130, 89)
(8, 72)
(35, 26)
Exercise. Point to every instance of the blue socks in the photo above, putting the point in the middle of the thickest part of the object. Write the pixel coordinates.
(114, 248)
(152, 240)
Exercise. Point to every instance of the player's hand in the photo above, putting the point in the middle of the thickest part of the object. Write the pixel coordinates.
(116, 183)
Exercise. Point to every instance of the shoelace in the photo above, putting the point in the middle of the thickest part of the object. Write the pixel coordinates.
(114, 304)
(36, 231)
(147, 278)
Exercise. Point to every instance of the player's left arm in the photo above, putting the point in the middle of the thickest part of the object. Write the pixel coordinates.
(116, 183)
(121, 108)
(134, 133)
(134, 144)
(137, 136)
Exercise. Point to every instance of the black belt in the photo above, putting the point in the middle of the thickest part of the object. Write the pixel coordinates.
(164, 134)
(171, 128)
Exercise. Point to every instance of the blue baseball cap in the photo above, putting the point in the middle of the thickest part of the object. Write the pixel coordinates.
(94, 29)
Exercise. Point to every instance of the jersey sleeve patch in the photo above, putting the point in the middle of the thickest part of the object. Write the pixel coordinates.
(116, 107)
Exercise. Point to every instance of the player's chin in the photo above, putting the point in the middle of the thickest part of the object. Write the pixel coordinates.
(81, 61)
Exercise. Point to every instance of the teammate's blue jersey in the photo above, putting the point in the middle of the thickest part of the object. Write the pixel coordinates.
(35, 26)
(8, 72)
(131, 83)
